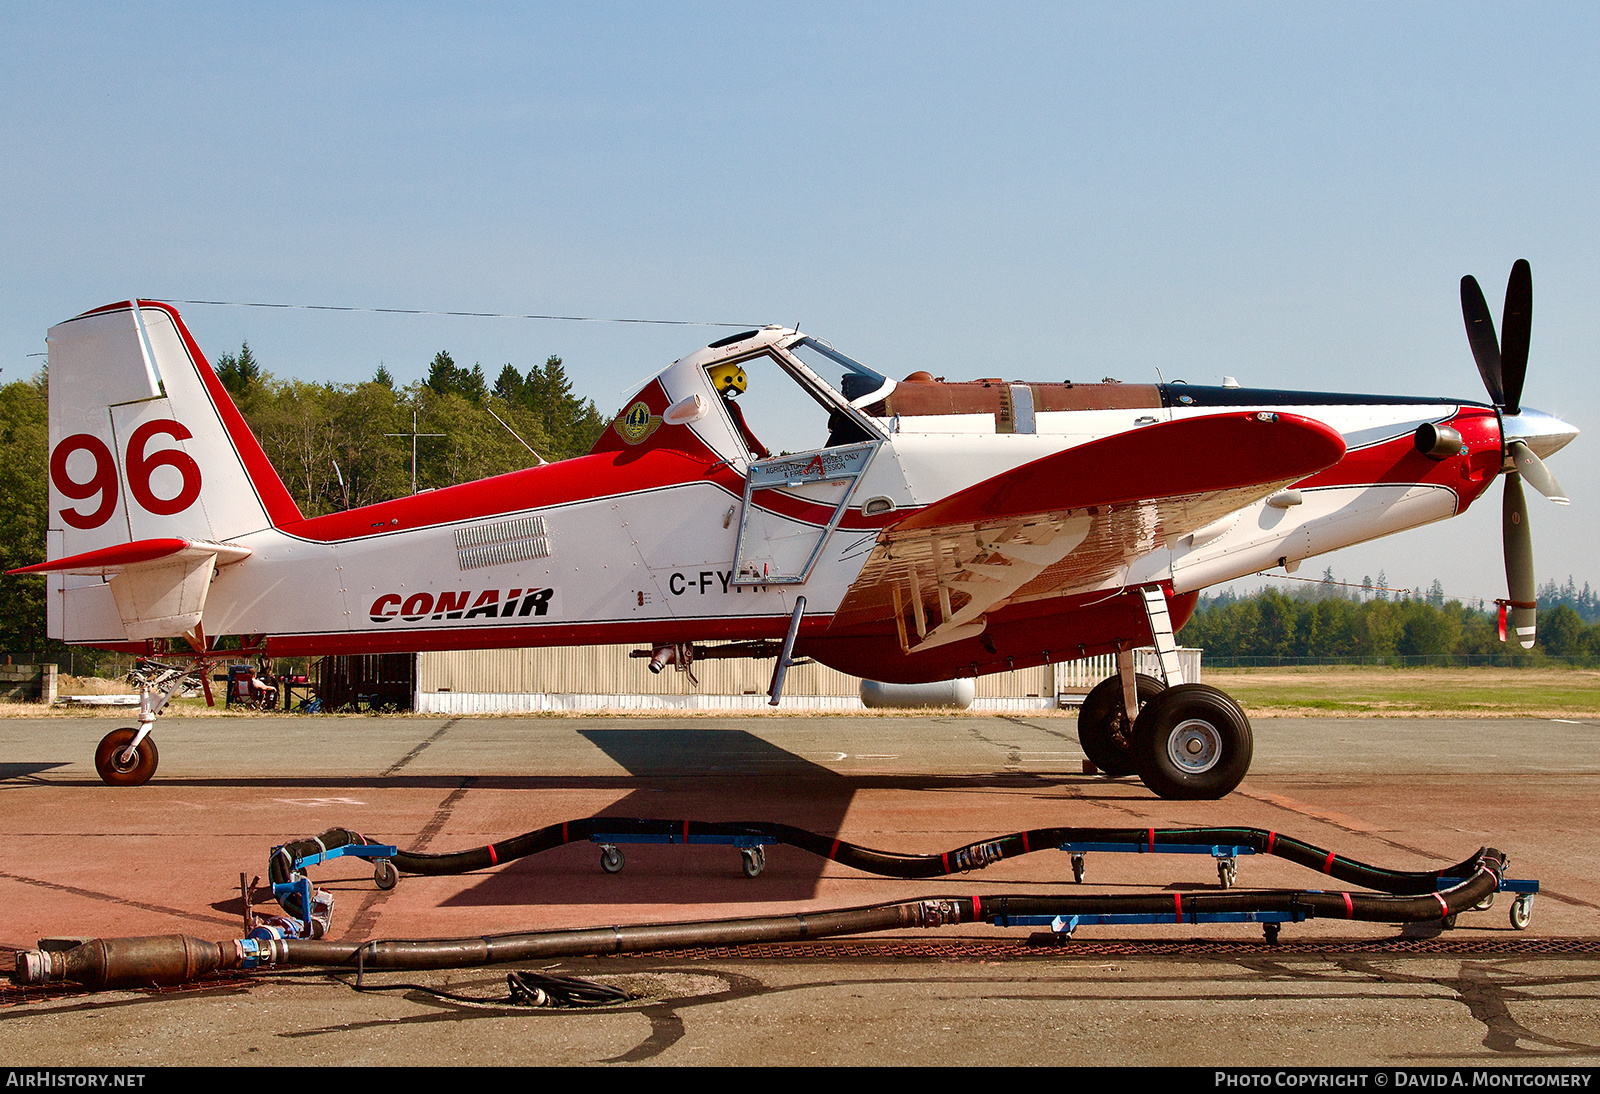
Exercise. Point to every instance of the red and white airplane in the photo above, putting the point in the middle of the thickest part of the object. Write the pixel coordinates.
(906, 530)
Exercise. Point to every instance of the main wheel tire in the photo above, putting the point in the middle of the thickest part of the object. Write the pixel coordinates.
(1192, 742)
(1104, 732)
(117, 767)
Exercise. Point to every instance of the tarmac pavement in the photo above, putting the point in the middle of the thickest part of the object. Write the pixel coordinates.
(86, 860)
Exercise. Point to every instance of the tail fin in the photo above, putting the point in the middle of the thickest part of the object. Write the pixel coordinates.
(145, 444)
(144, 440)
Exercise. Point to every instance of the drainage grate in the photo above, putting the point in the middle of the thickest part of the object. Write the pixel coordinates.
(1001, 949)
(12, 995)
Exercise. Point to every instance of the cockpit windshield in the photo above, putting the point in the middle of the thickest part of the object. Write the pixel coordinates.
(776, 410)
(860, 386)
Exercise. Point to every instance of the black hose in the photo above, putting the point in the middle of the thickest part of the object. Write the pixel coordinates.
(1482, 878)
(102, 963)
(972, 856)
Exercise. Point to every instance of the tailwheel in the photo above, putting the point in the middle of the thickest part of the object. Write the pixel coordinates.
(1192, 742)
(121, 764)
(1104, 731)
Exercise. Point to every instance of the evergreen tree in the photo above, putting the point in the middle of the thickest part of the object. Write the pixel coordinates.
(239, 373)
(571, 423)
(445, 377)
(509, 386)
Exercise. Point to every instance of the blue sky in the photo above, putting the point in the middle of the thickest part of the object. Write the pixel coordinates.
(1283, 193)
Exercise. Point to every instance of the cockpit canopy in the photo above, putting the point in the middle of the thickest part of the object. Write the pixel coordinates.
(767, 393)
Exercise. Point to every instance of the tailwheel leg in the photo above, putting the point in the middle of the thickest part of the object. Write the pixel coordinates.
(128, 756)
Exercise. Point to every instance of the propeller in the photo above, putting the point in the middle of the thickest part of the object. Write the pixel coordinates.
(1503, 364)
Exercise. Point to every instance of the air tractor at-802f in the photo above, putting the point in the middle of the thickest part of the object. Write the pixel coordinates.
(770, 496)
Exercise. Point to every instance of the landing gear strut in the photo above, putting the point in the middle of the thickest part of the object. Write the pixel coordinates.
(1185, 741)
(1105, 731)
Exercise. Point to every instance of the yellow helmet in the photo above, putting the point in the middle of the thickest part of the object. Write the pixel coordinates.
(728, 379)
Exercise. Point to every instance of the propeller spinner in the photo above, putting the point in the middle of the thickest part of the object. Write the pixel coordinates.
(1503, 364)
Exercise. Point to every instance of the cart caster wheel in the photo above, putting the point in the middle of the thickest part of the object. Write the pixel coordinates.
(1271, 932)
(1485, 904)
(1079, 868)
(1227, 872)
(384, 875)
(755, 860)
(120, 765)
(611, 859)
(1522, 911)
(1448, 922)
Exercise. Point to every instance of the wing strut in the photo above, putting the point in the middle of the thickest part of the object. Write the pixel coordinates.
(786, 655)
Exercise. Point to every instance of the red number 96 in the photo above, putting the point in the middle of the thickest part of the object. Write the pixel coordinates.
(102, 481)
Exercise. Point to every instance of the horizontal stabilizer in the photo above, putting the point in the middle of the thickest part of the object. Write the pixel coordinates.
(159, 585)
(124, 556)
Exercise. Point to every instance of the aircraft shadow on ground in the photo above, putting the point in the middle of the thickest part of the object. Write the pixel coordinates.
(755, 780)
(23, 770)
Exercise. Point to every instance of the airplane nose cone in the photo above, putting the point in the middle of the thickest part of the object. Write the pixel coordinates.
(1544, 433)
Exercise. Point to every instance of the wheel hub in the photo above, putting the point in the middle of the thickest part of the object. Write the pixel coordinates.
(1195, 746)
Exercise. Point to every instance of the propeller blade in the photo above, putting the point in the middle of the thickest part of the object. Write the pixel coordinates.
(1480, 332)
(1519, 560)
(1532, 468)
(1515, 325)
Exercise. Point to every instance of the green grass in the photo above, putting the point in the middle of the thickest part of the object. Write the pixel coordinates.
(1357, 691)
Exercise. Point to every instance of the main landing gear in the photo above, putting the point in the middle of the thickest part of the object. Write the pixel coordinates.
(128, 756)
(1186, 741)
(1104, 729)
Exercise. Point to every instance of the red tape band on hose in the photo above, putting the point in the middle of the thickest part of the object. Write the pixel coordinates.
(833, 852)
(977, 909)
(1349, 906)
(685, 831)
(1177, 907)
(494, 859)
(1327, 864)
(1152, 838)
(564, 838)
(1272, 837)
(1025, 847)
(1444, 909)
(944, 861)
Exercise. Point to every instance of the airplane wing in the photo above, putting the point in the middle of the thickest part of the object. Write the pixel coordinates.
(1075, 520)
